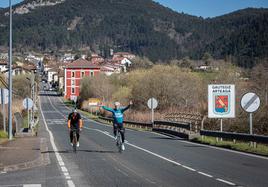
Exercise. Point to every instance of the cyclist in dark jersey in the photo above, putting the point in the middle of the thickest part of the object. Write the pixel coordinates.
(75, 122)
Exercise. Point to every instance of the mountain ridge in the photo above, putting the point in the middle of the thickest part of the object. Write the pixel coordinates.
(143, 27)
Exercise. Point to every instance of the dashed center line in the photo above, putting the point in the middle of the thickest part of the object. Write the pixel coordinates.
(226, 182)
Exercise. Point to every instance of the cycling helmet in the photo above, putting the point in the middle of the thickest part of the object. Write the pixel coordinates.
(117, 103)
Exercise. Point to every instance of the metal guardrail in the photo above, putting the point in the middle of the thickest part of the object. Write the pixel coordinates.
(235, 136)
(177, 129)
(148, 125)
(181, 125)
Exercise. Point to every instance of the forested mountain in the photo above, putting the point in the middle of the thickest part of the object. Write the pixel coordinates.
(141, 26)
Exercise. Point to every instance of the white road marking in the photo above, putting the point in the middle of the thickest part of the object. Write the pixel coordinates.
(32, 185)
(226, 182)
(70, 183)
(189, 168)
(202, 173)
(55, 149)
(64, 169)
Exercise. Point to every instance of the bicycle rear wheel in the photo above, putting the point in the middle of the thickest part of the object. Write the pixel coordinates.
(119, 139)
(74, 142)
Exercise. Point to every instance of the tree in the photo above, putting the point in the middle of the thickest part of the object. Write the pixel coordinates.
(259, 76)
(207, 58)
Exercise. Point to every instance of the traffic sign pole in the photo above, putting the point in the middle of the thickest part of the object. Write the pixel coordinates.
(250, 123)
(152, 112)
(152, 104)
(221, 128)
(250, 102)
(28, 113)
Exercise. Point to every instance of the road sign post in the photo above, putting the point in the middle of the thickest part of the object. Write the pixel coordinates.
(152, 104)
(4, 101)
(221, 102)
(28, 104)
(10, 74)
(221, 128)
(250, 102)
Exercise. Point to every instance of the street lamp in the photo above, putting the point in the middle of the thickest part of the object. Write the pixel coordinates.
(10, 73)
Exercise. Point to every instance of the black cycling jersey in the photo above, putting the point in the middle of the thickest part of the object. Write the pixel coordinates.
(74, 119)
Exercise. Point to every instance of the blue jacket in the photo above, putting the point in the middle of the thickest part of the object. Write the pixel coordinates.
(118, 115)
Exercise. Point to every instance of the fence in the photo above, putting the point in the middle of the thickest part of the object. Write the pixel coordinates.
(235, 136)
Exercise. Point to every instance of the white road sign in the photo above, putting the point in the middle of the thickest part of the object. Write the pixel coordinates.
(152, 103)
(221, 101)
(27, 103)
(74, 98)
(4, 93)
(250, 102)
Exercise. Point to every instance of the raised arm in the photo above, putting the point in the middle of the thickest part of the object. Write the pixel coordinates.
(127, 107)
(107, 108)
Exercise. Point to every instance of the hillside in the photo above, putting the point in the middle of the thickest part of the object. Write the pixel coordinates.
(141, 26)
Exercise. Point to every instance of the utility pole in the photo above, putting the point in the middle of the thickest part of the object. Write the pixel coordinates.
(10, 74)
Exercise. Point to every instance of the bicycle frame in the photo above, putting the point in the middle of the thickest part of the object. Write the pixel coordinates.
(119, 140)
(74, 140)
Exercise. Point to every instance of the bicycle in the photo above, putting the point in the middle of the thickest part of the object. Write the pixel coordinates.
(74, 140)
(119, 142)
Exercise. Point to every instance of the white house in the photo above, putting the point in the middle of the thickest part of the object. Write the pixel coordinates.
(3, 56)
(3, 66)
(50, 75)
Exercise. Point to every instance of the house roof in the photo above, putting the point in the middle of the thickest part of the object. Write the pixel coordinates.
(82, 63)
(15, 67)
(53, 70)
(123, 53)
(3, 63)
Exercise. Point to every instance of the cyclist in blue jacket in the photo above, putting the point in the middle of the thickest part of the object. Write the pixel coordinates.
(118, 117)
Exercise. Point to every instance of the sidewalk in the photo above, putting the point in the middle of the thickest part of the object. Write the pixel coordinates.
(23, 153)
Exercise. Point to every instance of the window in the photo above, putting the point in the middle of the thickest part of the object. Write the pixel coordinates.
(73, 91)
(82, 74)
(91, 73)
(73, 82)
(73, 74)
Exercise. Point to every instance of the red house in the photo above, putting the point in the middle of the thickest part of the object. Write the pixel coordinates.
(74, 73)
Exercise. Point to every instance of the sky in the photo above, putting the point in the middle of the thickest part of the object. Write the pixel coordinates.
(204, 8)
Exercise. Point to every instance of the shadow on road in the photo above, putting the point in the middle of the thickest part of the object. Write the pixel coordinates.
(87, 151)
(165, 138)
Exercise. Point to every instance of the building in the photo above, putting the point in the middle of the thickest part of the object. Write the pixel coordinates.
(122, 61)
(68, 57)
(74, 73)
(123, 54)
(96, 59)
(3, 66)
(109, 68)
(3, 56)
(19, 70)
(51, 75)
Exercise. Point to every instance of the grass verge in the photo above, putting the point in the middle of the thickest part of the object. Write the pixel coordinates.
(25, 121)
(260, 149)
(3, 134)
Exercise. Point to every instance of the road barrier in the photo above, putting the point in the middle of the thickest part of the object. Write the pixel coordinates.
(130, 123)
(178, 129)
(235, 136)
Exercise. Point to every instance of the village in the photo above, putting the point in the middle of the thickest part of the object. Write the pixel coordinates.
(64, 74)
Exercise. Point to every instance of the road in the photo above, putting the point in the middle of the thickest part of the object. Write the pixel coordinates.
(150, 159)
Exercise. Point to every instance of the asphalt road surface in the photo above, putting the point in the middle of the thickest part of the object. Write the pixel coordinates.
(150, 159)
